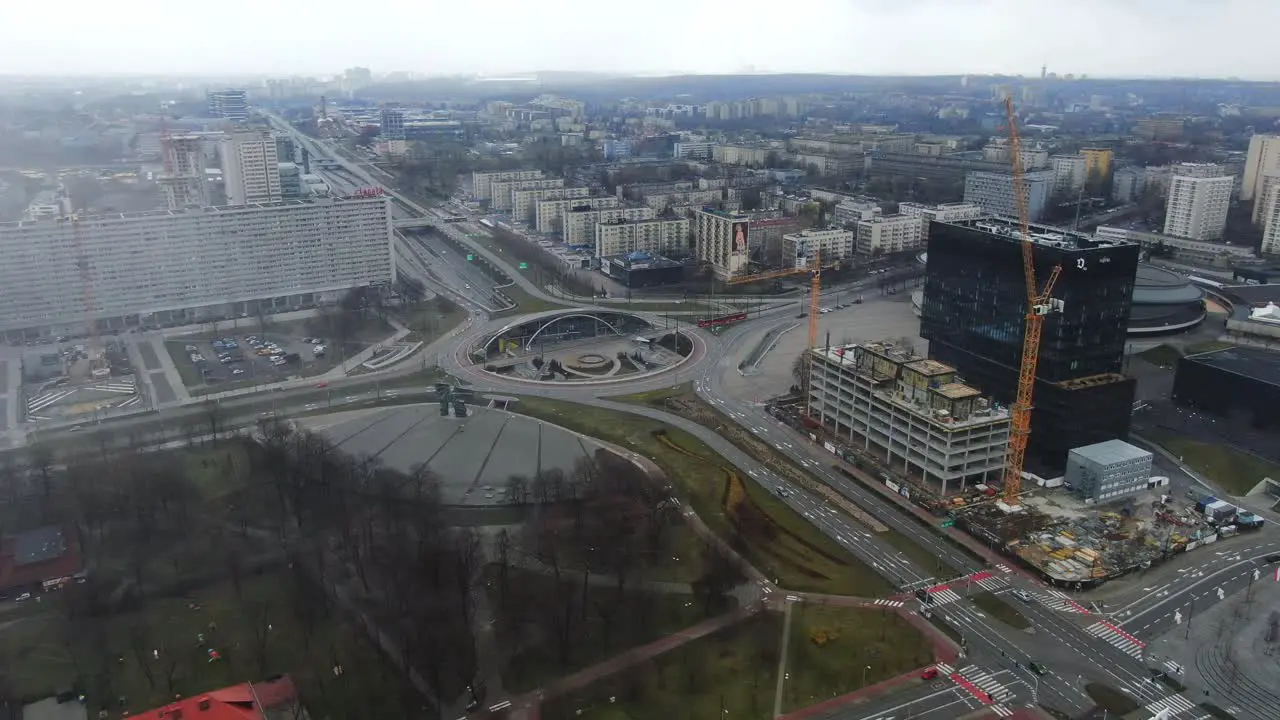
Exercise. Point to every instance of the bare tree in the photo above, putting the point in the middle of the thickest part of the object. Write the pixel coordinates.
(518, 490)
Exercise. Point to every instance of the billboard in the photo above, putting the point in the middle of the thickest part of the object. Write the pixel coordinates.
(740, 238)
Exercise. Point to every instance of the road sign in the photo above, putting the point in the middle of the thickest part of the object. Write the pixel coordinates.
(949, 522)
(1177, 617)
(524, 266)
(470, 257)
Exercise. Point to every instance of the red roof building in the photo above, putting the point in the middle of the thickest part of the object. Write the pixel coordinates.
(43, 556)
(274, 698)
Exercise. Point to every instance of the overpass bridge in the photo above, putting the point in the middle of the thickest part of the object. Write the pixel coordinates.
(422, 222)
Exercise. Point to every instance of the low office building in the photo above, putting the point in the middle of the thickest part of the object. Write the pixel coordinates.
(944, 212)
(1238, 384)
(889, 234)
(638, 269)
(548, 216)
(850, 211)
(911, 411)
(832, 243)
(170, 266)
(579, 224)
(1107, 471)
(666, 237)
(524, 203)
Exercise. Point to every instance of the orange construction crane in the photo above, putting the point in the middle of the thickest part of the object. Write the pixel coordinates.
(814, 269)
(1039, 304)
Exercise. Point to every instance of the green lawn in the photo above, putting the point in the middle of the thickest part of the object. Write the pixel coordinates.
(544, 642)
(114, 655)
(785, 546)
(526, 303)
(1110, 699)
(1000, 610)
(728, 674)
(831, 647)
(428, 323)
(1235, 471)
(922, 557)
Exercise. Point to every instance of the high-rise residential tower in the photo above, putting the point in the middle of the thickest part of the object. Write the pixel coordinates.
(250, 168)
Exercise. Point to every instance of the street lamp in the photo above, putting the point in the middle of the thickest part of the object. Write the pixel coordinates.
(864, 676)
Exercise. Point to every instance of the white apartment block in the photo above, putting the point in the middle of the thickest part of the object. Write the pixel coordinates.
(1128, 184)
(889, 234)
(1197, 206)
(503, 192)
(580, 225)
(1068, 171)
(833, 244)
(250, 169)
(668, 238)
(524, 203)
(720, 240)
(944, 212)
(910, 411)
(740, 155)
(993, 192)
(1032, 157)
(482, 183)
(548, 216)
(692, 197)
(1270, 216)
(824, 164)
(165, 263)
(1263, 159)
(1212, 253)
(848, 212)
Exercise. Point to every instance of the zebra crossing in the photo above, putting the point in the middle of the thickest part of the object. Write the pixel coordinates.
(1060, 601)
(889, 603)
(1126, 643)
(988, 580)
(981, 685)
(941, 595)
(1002, 711)
(1175, 704)
(119, 386)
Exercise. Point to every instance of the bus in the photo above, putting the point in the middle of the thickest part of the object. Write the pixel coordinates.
(487, 223)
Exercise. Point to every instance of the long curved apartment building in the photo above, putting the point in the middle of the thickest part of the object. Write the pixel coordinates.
(172, 266)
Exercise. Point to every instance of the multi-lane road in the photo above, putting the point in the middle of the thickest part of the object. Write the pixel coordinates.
(1078, 646)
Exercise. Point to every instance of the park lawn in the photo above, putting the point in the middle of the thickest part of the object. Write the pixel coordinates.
(730, 673)
(798, 556)
(831, 647)
(39, 662)
(526, 303)
(920, 556)
(216, 471)
(190, 375)
(525, 628)
(429, 324)
(368, 329)
(1235, 471)
(997, 608)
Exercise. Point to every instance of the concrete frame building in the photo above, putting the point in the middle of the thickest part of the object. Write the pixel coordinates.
(665, 237)
(944, 212)
(1107, 471)
(165, 264)
(832, 243)
(1270, 215)
(1068, 171)
(1199, 199)
(1097, 162)
(694, 150)
(911, 411)
(548, 216)
(721, 240)
(482, 183)
(993, 192)
(250, 168)
(1128, 184)
(391, 124)
(890, 234)
(184, 179)
(524, 203)
(850, 211)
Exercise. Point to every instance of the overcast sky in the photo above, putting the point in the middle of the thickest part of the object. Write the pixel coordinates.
(1204, 38)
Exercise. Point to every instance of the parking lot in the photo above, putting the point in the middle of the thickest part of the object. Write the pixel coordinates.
(230, 361)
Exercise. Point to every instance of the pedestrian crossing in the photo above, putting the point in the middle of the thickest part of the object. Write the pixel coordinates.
(1060, 601)
(941, 595)
(1002, 711)
(1127, 643)
(982, 685)
(944, 669)
(889, 603)
(1004, 569)
(1174, 703)
(988, 580)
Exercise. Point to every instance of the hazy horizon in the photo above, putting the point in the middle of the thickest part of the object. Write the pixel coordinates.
(1099, 38)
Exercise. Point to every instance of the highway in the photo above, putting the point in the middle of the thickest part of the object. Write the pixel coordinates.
(1076, 646)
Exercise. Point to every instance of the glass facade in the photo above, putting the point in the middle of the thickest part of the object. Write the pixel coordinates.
(973, 314)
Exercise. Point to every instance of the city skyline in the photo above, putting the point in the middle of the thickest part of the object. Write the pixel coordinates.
(1227, 39)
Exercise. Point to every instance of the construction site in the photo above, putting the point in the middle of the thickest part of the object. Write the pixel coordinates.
(929, 433)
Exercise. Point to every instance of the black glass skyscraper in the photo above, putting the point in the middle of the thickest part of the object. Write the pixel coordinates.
(973, 313)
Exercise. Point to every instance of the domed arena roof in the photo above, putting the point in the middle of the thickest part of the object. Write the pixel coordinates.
(1164, 302)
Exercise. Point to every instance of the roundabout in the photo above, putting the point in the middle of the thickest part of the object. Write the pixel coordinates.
(579, 347)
